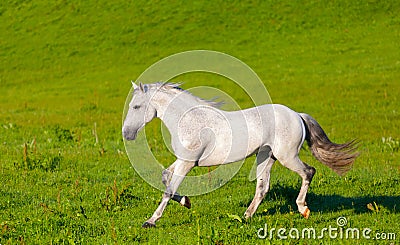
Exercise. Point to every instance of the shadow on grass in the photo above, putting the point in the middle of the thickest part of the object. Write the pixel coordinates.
(328, 203)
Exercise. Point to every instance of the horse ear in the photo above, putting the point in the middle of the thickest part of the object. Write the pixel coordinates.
(134, 85)
(143, 87)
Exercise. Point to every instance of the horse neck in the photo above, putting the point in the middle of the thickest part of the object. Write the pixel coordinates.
(171, 106)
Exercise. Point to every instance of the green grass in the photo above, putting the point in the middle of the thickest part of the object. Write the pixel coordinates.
(65, 68)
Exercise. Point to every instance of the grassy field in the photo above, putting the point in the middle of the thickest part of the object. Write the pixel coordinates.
(65, 71)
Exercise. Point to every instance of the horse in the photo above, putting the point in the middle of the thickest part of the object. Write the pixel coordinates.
(204, 135)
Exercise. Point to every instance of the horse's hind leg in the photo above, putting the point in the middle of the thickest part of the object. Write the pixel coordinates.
(181, 168)
(166, 178)
(306, 172)
(264, 164)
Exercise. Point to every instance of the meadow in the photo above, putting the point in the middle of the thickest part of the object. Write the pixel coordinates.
(65, 72)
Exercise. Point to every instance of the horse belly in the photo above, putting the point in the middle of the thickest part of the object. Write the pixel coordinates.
(224, 153)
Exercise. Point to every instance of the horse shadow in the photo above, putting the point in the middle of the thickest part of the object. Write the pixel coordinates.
(328, 203)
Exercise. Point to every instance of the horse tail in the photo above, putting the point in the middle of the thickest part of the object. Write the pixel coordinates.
(338, 157)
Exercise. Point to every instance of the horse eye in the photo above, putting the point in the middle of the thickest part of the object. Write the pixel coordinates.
(136, 107)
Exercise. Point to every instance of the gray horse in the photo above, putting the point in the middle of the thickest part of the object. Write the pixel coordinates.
(203, 135)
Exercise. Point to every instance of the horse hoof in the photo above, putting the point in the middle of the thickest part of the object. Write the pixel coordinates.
(148, 225)
(306, 213)
(187, 202)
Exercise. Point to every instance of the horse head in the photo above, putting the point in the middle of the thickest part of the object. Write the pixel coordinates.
(140, 111)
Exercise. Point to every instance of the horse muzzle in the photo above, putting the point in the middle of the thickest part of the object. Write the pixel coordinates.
(128, 133)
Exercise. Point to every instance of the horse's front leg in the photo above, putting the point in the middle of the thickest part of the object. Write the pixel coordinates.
(166, 179)
(181, 168)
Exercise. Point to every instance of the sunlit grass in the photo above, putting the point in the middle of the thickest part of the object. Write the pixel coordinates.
(65, 71)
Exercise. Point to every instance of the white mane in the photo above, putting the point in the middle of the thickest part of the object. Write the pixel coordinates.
(174, 88)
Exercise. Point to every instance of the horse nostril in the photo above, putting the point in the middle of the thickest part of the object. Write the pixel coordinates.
(125, 132)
